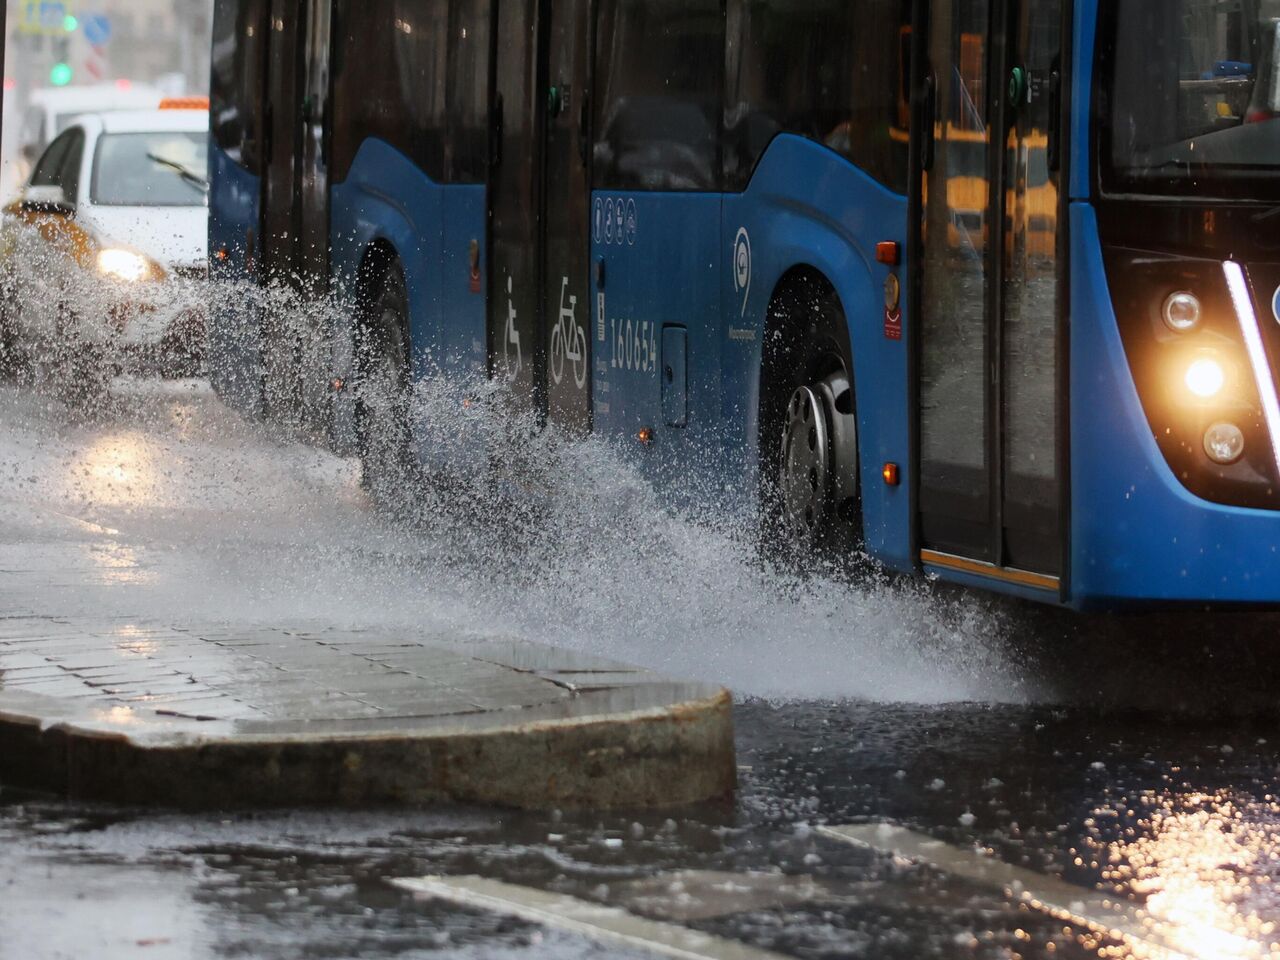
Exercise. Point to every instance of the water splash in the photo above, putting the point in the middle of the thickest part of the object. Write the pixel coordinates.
(545, 537)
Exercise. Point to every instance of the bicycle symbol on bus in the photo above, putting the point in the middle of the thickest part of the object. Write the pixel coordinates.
(512, 338)
(568, 341)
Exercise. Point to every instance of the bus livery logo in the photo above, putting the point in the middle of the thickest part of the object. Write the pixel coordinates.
(742, 266)
(597, 220)
(632, 224)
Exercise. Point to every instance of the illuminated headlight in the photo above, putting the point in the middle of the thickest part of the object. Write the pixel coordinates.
(1181, 312)
(1224, 443)
(1205, 378)
(124, 265)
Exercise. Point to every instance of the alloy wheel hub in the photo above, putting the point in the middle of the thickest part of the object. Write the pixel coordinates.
(805, 464)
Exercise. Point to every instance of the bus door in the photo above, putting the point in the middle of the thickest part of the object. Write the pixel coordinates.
(989, 289)
(567, 191)
(311, 250)
(286, 51)
(516, 353)
(538, 196)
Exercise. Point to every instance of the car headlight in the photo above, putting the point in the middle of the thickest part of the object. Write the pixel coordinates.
(124, 265)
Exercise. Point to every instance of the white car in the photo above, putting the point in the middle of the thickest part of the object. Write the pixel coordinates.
(99, 254)
(51, 110)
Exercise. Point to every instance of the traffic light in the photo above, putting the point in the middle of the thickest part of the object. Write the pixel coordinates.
(61, 74)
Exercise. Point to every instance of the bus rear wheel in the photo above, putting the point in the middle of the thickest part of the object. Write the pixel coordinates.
(383, 396)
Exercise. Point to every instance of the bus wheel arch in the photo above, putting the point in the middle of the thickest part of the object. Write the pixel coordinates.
(809, 459)
(382, 374)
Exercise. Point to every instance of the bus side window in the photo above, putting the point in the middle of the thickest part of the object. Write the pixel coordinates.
(659, 94)
(828, 70)
(235, 91)
(467, 145)
(391, 83)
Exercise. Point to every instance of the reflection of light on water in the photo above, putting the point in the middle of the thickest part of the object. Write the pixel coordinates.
(1206, 866)
(133, 640)
(116, 470)
(121, 716)
(119, 564)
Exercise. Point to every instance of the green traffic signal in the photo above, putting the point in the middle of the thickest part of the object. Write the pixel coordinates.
(70, 23)
(61, 74)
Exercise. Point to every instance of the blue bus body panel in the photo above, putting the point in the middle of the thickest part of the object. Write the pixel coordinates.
(808, 206)
(661, 259)
(235, 366)
(1138, 535)
(1083, 45)
(387, 200)
(463, 346)
(666, 265)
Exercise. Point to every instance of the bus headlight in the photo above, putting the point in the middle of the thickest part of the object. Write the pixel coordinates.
(1181, 311)
(1205, 378)
(124, 265)
(1224, 443)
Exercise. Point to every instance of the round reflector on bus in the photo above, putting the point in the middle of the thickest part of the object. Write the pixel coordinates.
(1224, 443)
(1181, 311)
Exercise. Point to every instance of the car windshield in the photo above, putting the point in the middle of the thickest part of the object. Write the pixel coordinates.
(151, 170)
(1191, 98)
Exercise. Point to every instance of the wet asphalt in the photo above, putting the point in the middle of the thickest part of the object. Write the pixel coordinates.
(1136, 757)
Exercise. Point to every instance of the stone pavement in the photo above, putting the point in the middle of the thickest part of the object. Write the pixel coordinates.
(199, 717)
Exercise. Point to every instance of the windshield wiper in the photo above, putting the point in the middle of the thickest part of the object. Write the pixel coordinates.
(187, 174)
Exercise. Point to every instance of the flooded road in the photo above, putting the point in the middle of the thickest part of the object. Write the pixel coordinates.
(1131, 760)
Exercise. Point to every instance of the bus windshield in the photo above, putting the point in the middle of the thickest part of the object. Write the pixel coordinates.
(1190, 98)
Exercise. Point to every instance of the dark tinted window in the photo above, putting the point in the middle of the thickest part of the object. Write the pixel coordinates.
(48, 171)
(467, 146)
(829, 70)
(235, 90)
(1198, 113)
(390, 80)
(659, 94)
(72, 163)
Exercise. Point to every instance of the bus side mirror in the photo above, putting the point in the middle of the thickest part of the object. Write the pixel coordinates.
(48, 200)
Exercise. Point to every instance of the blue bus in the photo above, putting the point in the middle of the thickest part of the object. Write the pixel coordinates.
(988, 289)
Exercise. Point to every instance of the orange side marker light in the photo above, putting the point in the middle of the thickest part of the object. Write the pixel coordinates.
(890, 474)
(184, 103)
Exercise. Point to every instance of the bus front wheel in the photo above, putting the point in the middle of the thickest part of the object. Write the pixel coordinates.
(810, 495)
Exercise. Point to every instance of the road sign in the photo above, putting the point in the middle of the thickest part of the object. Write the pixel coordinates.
(97, 29)
(43, 17)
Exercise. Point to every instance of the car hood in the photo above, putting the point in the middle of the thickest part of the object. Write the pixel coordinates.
(173, 236)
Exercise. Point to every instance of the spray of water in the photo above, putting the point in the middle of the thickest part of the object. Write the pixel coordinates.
(544, 537)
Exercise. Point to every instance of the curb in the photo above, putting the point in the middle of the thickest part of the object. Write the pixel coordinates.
(648, 756)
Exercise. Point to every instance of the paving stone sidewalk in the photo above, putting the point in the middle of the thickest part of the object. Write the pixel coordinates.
(211, 716)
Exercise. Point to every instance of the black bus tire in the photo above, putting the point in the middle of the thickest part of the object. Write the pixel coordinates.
(383, 425)
(810, 494)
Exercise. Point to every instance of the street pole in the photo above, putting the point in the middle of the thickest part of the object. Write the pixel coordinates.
(4, 42)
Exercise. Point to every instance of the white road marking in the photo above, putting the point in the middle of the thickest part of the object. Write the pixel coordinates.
(591, 920)
(1057, 898)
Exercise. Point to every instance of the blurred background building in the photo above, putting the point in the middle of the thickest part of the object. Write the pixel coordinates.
(126, 44)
